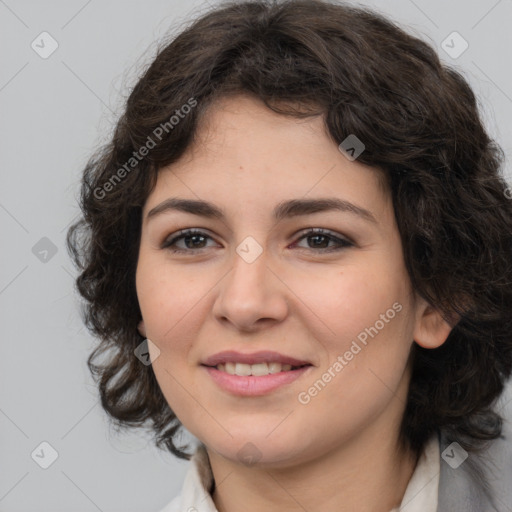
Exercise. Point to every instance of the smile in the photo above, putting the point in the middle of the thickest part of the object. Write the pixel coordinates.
(252, 385)
(257, 370)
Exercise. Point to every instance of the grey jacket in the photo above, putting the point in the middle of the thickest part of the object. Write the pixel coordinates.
(461, 491)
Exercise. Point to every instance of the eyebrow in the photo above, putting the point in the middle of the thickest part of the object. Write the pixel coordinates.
(283, 210)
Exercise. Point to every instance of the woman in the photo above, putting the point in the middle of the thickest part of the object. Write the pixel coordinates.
(297, 246)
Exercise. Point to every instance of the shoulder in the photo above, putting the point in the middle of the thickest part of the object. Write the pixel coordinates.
(173, 506)
(195, 491)
(472, 482)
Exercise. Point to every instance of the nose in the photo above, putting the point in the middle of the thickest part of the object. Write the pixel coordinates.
(251, 296)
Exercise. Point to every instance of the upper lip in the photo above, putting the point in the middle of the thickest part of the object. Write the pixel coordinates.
(231, 356)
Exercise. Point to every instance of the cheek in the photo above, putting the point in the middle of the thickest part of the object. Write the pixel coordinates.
(172, 304)
(169, 299)
(348, 302)
(367, 347)
(364, 317)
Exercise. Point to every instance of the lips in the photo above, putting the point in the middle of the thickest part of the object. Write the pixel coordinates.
(258, 369)
(231, 356)
(254, 374)
(253, 386)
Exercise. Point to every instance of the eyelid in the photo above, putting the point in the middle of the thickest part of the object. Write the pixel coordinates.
(322, 231)
(342, 241)
(182, 233)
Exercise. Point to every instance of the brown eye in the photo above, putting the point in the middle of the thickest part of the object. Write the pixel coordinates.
(319, 239)
(192, 241)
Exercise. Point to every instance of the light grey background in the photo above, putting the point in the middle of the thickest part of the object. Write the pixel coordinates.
(54, 112)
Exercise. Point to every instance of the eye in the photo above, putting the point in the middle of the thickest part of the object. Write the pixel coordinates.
(321, 238)
(191, 238)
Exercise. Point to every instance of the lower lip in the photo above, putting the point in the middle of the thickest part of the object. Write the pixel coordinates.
(251, 385)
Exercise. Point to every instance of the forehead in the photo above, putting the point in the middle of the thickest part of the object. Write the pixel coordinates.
(244, 153)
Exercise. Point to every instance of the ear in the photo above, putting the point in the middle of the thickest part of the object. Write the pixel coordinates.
(142, 328)
(431, 329)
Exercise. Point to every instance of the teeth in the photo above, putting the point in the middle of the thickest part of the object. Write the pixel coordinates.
(274, 367)
(242, 369)
(258, 369)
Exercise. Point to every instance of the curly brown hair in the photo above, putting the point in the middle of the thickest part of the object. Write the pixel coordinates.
(421, 126)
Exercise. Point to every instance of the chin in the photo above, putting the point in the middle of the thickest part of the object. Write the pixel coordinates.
(258, 448)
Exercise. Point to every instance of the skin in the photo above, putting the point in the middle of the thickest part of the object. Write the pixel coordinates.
(341, 448)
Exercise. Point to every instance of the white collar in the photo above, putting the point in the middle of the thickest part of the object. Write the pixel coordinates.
(420, 496)
(422, 490)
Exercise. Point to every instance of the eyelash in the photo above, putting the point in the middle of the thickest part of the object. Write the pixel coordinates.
(342, 243)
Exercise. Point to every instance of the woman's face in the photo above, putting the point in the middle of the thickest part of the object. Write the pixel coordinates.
(254, 284)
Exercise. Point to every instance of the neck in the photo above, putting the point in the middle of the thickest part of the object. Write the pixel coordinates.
(364, 477)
